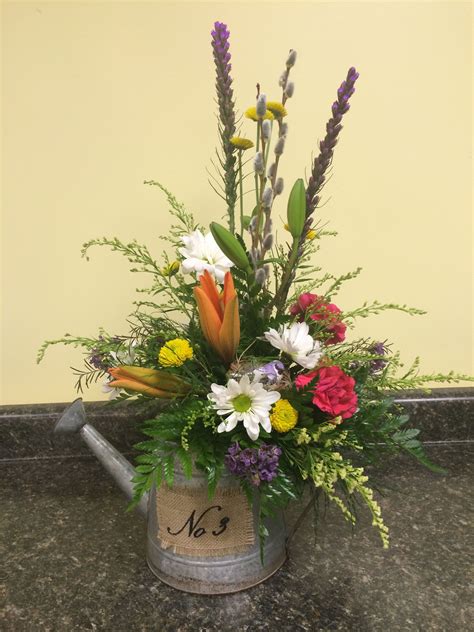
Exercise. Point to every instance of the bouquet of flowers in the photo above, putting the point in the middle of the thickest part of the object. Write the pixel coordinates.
(239, 333)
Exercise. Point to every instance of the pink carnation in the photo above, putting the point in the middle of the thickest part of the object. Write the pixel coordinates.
(333, 391)
(321, 310)
(303, 380)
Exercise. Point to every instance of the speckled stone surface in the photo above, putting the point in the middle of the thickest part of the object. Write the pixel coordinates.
(73, 560)
(26, 431)
(445, 414)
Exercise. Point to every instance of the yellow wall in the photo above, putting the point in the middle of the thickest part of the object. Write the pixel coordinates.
(98, 97)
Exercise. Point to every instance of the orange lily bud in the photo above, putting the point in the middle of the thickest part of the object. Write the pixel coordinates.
(219, 315)
(148, 381)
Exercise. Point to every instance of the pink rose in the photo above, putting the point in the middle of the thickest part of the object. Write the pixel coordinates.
(321, 310)
(333, 391)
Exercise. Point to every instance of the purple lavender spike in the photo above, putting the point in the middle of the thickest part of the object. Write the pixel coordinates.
(220, 46)
(321, 164)
(326, 146)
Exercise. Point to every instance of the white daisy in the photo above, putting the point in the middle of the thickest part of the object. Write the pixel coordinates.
(202, 253)
(296, 341)
(243, 401)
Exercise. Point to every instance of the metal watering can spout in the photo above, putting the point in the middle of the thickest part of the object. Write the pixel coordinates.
(121, 470)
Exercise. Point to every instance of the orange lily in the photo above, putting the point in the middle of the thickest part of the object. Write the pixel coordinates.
(148, 381)
(219, 315)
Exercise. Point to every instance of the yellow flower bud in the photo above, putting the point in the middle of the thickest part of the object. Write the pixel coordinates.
(171, 269)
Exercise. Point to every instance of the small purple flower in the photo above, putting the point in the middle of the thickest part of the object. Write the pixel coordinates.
(233, 450)
(257, 465)
(378, 348)
(97, 360)
(248, 457)
(272, 371)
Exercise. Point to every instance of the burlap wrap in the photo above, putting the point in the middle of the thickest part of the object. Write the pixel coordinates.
(191, 524)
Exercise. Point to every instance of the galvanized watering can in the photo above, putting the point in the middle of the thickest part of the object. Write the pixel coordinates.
(193, 544)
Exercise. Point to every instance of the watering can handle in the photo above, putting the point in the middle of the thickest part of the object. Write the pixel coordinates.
(74, 420)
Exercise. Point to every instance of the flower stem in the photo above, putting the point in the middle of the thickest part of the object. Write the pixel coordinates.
(241, 196)
(262, 184)
(280, 297)
(257, 145)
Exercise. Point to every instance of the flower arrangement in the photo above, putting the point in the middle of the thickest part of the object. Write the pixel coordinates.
(240, 336)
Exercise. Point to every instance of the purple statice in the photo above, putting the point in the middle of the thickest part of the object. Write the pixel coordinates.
(220, 49)
(272, 371)
(378, 348)
(257, 465)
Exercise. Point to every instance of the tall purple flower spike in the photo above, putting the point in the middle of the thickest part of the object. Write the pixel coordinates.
(322, 162)
(326, 146)
(220, 48)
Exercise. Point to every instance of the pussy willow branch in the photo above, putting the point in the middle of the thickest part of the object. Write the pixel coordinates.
(262, 179)
(273, 178)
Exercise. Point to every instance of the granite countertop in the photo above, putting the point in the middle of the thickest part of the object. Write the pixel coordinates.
(74, 560)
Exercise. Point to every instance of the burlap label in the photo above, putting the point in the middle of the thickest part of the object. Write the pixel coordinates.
(191, 524)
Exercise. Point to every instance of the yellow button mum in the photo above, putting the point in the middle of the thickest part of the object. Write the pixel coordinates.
(277, 109)
(175, 352)
(251, 113)
(284, 416)
(241, 143)
(171, 269)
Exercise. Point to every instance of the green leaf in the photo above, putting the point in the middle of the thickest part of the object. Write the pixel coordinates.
(143, 469)
(419, 454)
(214, 471)
(168, 466)
(158, 475)
(185, 461)
(403, 436)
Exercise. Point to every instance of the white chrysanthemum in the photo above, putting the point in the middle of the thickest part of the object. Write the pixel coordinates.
(246, 401)
(202, 253)
(296, 341)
